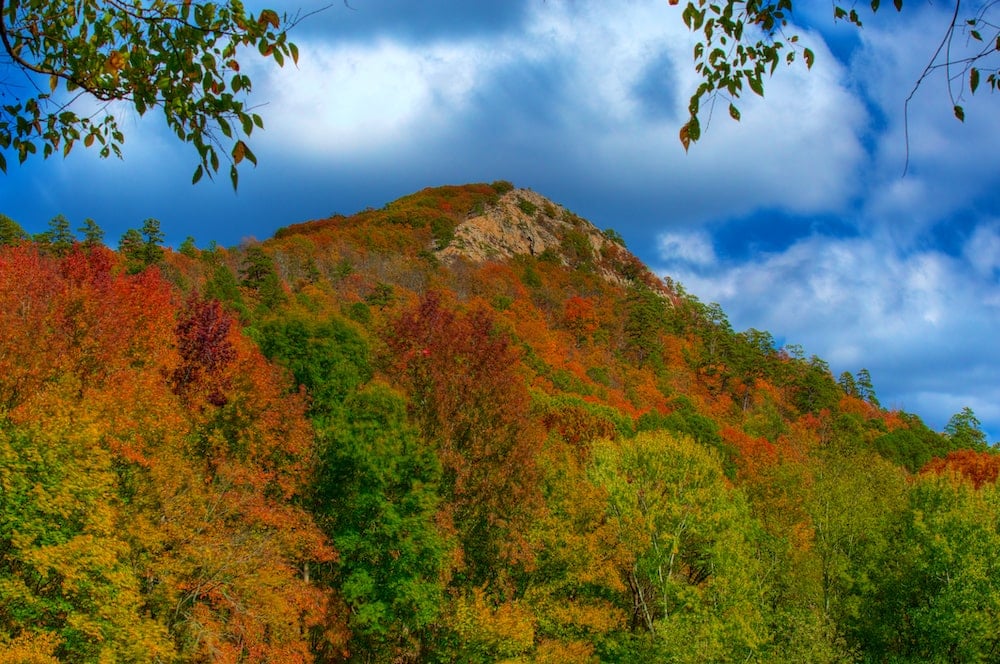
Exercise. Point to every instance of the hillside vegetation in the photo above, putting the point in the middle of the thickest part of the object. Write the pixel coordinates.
(469, 426)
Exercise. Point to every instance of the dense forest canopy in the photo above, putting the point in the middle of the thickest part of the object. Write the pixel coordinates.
(468, 426)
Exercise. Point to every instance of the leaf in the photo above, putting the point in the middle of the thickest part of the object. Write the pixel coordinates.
(685, 137)
(755, 85)
(198, 172)
(239, 150)
(734, 113)
(809, 57)
(234, 176)
(960, 113)
(899, 5)
(294, 51)
(975, 35)
(973, 79)
(875, 4)
(3, 164)
(88, 140)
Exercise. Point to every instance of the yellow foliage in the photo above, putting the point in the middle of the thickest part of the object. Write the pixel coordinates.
(30, 648)
(500, 630)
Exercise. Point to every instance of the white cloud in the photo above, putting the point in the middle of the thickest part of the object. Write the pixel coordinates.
(572, 72)
(692, 249)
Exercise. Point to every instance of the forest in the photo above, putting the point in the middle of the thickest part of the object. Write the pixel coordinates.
(386, 438)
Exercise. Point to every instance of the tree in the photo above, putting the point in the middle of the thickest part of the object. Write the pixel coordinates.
(690, 565)
(11, 231)
(376, 497)
(964, 432)
(744, 40)
(93, 235)
(937, 592)
(183, 57)
(59, 238)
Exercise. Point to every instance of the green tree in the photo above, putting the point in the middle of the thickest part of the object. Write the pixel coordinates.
(181, 57)
(744, 41)
(11, 231)
(258, 275)
(93, 235)
(938, 592)
(329, 358)
(58, 238)
(691, 568)
(376, 497)
(964, 432)
(141, 248)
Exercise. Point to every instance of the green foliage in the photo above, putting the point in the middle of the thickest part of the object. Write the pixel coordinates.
(691, 570)
(614, 236)
(527, 207)
(258, 274)
(577, 249)
(328, 357)
(912, 446)
(11, 231)
(93, 235)
(142, 248)
(742, 42)
(188, 248)
(58, 238)
(938, 592)
(501, 187)
(703, 430)
(963, 431)
(376, 497)
(183, 58)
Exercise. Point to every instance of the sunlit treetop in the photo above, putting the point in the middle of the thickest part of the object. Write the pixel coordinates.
(741, 42)
(66, 66)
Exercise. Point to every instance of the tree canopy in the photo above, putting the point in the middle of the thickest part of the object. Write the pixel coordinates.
(741, 42)
(66, 67)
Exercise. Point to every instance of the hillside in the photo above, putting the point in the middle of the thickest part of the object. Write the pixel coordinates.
(468, 426)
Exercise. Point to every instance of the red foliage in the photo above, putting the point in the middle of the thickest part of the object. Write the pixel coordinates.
(205, 349)
(978, 467)
(469, 399)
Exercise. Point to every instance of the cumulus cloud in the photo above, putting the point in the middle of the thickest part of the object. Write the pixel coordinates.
(577, 82)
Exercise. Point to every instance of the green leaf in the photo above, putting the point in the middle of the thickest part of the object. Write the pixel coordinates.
(899, 5)
(973, 79)
(198, 172)
(3, 164)
(234, 176)
(960, 113)
(756, 85)
(294, 51)
(975, 35)
(875, 4)
(809, 57)
(734, 113)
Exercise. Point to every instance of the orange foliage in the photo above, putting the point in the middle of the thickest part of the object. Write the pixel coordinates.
(209, 511)
(755, 454)
(978, 467)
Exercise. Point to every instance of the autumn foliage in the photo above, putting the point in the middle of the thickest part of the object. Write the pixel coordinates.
(347, 444)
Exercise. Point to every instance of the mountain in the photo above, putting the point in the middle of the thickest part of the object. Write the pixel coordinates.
(467, 426)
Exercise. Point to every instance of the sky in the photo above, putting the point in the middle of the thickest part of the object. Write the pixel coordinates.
(798, 219)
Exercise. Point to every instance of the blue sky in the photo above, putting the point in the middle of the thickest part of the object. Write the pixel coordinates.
(797, 219)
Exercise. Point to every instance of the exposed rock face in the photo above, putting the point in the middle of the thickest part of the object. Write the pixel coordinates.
(522, 222)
